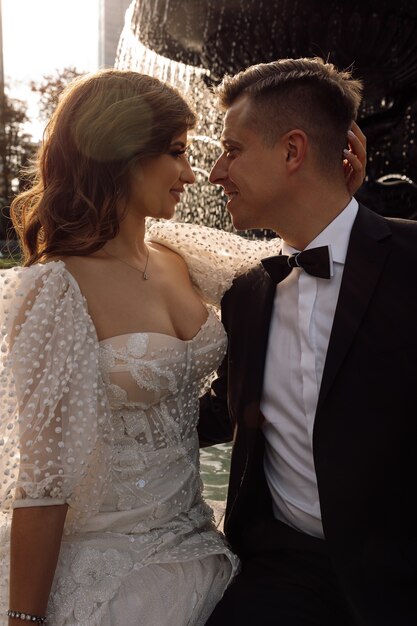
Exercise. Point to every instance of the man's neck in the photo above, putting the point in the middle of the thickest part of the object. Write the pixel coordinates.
(310, 218)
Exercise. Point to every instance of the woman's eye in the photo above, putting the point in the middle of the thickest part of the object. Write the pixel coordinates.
(178, 153)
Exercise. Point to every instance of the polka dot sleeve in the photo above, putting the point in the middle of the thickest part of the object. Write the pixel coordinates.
(55, 434)
(214, 257)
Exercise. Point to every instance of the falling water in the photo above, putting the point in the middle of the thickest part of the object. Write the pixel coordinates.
(376, 39)
(203, 203)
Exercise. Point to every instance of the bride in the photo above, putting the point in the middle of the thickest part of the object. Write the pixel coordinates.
(106, 337)
(105, 343)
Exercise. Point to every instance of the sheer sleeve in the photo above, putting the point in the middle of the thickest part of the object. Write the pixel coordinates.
(214, 257)
(55, 432)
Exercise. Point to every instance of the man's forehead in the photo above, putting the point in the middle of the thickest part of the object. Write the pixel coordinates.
(235, 125)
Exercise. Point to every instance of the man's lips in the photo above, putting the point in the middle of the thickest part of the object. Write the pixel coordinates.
(177, 194)
(230, 195)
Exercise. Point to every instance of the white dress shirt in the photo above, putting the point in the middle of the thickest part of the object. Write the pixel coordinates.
(299, 335)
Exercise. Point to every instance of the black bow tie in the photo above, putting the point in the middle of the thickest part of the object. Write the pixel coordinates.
(315, 261)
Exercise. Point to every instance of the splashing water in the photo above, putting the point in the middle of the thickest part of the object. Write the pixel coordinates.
(207, 39)
(203, 203)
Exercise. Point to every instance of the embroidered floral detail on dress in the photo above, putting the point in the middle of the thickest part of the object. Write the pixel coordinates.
(148, 374)
(137, 345)
(137, 424)
(116, 394)
(153, 377)
(92, 579)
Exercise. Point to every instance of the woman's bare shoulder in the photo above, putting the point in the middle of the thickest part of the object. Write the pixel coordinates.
(169, 259)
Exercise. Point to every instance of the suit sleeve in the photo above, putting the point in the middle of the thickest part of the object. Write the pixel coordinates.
(215, 423)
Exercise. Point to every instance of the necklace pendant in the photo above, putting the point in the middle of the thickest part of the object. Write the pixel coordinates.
(145, 276)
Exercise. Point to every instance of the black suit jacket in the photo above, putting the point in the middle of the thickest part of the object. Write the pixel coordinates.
(365, 432)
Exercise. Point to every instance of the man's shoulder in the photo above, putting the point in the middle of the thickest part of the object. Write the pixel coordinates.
(395, 224)
(395, 238)
(253, 277)
(403, 238)
(399, 233)
(246, 288)
(408, 227)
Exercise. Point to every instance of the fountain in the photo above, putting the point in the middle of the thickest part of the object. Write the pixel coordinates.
(193, 44)
(202, 203)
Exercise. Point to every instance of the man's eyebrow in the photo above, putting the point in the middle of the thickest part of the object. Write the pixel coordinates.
(227, 141)
(179, 144)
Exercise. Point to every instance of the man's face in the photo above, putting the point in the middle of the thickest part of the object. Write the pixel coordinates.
(250, 172)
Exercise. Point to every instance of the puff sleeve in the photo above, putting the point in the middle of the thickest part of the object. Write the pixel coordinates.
(214, 257)
(55, 428)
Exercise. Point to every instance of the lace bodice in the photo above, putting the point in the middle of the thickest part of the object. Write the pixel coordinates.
(153, 383)
(141, 369)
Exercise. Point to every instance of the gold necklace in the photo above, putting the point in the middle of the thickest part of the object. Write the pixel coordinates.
(144, 273)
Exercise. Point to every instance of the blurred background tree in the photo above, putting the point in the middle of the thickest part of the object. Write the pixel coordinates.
(17, 145)
(17, 148)
(49, 89)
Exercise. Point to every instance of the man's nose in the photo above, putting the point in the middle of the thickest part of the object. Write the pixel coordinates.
(219, 171)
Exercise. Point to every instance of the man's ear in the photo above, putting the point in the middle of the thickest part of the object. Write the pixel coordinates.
(295, 145)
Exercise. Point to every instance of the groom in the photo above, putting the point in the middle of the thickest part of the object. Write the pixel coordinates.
(319, 387)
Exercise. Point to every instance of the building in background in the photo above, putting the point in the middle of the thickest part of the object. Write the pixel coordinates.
(111, 22)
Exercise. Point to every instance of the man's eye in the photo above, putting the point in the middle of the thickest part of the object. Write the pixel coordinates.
(178, 153)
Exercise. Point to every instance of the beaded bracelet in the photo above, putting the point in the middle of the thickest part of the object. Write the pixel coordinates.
(26, 617)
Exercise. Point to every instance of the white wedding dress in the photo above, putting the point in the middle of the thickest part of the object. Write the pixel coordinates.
(110, 428)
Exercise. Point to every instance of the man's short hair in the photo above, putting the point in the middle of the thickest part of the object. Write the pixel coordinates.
(305, 93)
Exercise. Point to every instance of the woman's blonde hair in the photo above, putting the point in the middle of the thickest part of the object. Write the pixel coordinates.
(103, 125)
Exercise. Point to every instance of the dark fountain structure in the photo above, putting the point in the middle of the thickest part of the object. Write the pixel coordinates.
(193, 43)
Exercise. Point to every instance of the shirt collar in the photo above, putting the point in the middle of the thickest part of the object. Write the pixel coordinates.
(336, 235)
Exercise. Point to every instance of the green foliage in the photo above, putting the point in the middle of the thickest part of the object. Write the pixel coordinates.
(50, 88)
(17, 148)
(7, 262)
(16, 151)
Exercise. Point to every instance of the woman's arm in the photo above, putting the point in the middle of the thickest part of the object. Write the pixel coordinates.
(54, 452)
(35, 542)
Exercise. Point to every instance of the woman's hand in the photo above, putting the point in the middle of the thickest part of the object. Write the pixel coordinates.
(354, 163)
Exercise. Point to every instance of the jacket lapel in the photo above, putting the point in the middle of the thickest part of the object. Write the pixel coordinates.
(258, 320)
(253, 318)
(368, 248)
